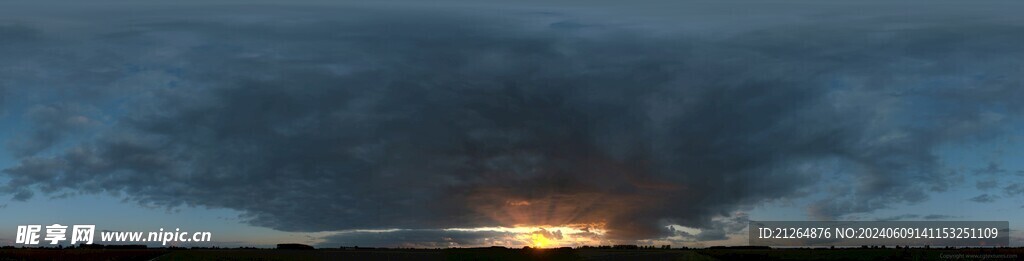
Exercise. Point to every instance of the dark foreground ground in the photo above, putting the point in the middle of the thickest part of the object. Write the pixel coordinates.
(515, 254)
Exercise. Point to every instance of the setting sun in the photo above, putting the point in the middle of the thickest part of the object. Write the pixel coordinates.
(539, 240)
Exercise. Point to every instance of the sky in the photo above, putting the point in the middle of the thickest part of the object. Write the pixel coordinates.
(478, 123)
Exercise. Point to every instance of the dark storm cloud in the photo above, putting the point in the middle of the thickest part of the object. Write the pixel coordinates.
(49, 124)
(986, 184)
(327, 121)
(16, 34)
(992, 168)
(899, 217)
(984, 198)
(1014, 189)
(720, 229)
(939, 217)
(11, 36)
(915, 216)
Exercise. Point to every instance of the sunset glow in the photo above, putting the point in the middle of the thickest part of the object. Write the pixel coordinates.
(543, 236)
(540, 241)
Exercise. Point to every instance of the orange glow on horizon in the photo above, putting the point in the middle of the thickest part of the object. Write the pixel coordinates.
(540, 241)
(568, 235)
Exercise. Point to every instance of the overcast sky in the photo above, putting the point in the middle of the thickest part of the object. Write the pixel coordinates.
(481, 123)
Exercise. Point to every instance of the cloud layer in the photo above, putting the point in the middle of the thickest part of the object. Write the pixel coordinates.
(317, 121)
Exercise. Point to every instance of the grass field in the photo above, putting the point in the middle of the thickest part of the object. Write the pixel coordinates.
(513, 254)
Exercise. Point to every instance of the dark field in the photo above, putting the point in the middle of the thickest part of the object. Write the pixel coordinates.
(515, 254)
(80, 254)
